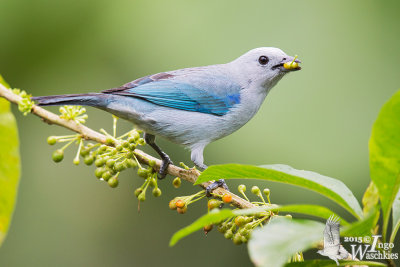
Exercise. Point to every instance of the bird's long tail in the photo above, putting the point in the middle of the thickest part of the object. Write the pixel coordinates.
(90, 99)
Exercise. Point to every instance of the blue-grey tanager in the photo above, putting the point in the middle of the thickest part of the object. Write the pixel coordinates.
(194, 106)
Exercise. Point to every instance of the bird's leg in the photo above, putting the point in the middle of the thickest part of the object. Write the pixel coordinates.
(211, 187)
(150, 139)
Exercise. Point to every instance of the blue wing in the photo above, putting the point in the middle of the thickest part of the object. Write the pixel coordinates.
(206, 97)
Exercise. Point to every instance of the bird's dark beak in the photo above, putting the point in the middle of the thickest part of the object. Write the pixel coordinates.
(288, 64)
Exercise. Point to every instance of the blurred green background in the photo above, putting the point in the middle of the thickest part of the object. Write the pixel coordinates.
(317, 119)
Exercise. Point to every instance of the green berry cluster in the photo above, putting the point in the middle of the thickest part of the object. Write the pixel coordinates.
(25, 104)
(150, 177)
(75, 113)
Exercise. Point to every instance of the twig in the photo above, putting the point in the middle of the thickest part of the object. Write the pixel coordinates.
(89, 134)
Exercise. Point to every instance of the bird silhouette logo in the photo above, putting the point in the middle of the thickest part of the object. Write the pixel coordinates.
(332, 247)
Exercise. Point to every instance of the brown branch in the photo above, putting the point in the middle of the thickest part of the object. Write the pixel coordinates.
(89, 134)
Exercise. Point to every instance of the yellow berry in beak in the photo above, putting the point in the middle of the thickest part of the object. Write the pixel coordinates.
(291, 65)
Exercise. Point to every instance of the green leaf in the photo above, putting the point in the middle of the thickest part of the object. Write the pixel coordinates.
(384, 155)
(9, 165)
(370, 198)
(329, 187)
(331, 263)
(313, 210)
(396, 217)
(364, 226)
(281, 238)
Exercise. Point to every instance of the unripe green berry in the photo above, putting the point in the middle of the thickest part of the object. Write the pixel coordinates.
(99, 172)
(119, 166)
(240, 220)
(51, 140)
(102, 148)
(228, 234)
(132, 147)
(156, 192)
(119, 148)
(266, 192)
(255, 190)
(243, 231)
(113, 182)
(213, 204)
(152, 182)
(88, 160)
(58, 155)
(237, 239)
(142, 172)
(109, 141)
(110, 163)
(131, 140)
(242, 188)
(135, 135)
(129, 155)
(141, 141)
(244, 239)
(99, 162)
(131, 163)
(84, 152)
(288, 216)
(76, 161)
(142, 196)
(176, 182)
(125, 144)
(106, 175)
(152, 163)
(138, 191)
(249, 226)
(222, 228)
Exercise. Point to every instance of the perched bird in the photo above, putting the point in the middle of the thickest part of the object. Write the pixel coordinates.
(193, 106)
(332, 247)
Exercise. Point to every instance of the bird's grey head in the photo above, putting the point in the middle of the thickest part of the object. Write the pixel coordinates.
(263, 66)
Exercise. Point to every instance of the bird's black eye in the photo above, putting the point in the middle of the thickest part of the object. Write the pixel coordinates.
(263, 60)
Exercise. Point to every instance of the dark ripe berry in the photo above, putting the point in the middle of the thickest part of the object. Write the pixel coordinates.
(76, 161)
(51, 140)
(58, 155)
(207, 228)
(180, 203)
(153, 182)
(182, 210)
(99, 172)
(237, 239)
(172, 204)
(240, 220)
(213, 203)
(106, 175)
(138, 191)
(119, 166)
(176, 182)
(132, 147)
(119, 148)
(141, 141)
(110, 163)
(227, 198)
(142, 172)
(113, 182)
(125, 144)
(156, 192)
(255, 190)
(88, 160)
(228, 234)
(99, 162)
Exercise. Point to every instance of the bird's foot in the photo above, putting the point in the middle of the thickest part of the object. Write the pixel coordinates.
(211, 187)
(166, 161)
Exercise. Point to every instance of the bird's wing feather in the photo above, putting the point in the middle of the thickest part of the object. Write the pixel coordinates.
(190, 91)
(332, 233)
